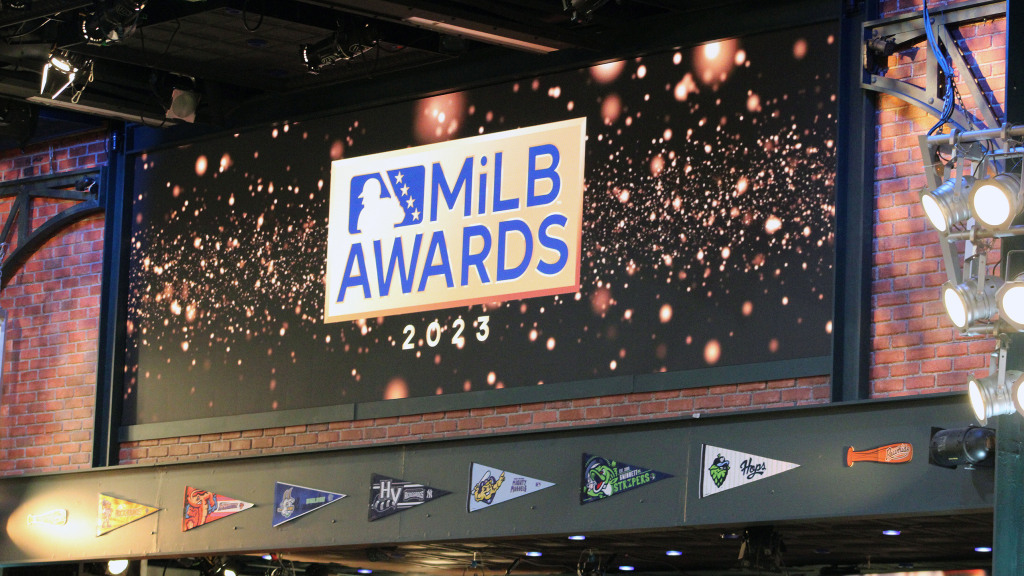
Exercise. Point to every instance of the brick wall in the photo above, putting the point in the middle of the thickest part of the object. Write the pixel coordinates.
(915, 348)
(50, 355)
(503, 419)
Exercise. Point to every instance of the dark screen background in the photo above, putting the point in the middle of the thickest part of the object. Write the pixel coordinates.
(707, 241)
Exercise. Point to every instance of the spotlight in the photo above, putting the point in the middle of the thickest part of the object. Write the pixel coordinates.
(946, 205)
(582, 10)
(115, 22)
(116, 567)
(990, 397)
(995, 202)
(75, 68)
(1010, 301)
(968, 447)
(967, 304)
(345, 44)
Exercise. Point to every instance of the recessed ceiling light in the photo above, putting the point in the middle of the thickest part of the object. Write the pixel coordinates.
(891, 532)
(673, 553)
(730, 536)
(627, 568)
(534, 554)
(578, 537)
(983, 549)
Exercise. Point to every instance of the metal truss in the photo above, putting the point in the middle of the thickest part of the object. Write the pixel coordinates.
(81, 187)
(883, 38)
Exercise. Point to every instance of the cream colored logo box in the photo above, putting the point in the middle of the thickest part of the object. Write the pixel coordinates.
(482, 219)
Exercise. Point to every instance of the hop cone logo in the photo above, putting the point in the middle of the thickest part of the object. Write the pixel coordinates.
(719, 469)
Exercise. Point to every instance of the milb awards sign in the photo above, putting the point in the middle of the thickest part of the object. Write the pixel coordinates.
(481, 219)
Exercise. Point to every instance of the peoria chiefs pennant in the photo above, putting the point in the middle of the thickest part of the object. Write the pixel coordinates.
(202, 507)
(489, 486)
(115, 513)
(722, 469)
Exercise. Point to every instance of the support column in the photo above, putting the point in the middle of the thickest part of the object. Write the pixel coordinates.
(1008, 535)
(851, 344)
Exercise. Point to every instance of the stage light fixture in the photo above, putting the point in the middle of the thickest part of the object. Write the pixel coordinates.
(75, 68)
(1010, 302)
(116, 567)
(989, 397)
(995, 202)
(968, 447)
(966, 304)
(112, 23)
(946, 206)
(345, 44)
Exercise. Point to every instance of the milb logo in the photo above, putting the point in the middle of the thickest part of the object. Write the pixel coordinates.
(481, 219)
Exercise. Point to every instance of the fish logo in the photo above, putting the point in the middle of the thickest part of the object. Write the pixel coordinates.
(719, 469)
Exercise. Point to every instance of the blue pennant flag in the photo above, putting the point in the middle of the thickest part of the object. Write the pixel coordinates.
(291, 501)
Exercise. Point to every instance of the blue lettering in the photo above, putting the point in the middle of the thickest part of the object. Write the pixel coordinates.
(352, 279)
(397, 256)
(500, 205)
(533, 173)
(437, 246)
(440, 184)
(475, 260)
(504, 228)
(481, 189)
(552, 243)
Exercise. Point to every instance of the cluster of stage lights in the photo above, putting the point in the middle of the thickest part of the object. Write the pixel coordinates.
(993, 203)
(984, 208)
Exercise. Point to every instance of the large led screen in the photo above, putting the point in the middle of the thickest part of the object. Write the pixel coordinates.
(698, 233)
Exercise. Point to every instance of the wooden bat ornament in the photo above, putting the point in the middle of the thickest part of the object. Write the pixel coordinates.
(889, 454)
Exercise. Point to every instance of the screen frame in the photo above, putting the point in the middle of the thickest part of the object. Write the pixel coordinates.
(144, 140)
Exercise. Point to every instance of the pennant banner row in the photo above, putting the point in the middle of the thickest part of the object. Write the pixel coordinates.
(600, 478)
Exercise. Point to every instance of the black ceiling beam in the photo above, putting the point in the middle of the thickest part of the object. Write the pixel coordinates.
(447, 14)
(39, 9)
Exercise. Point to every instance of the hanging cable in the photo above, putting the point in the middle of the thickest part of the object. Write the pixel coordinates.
(950, 96)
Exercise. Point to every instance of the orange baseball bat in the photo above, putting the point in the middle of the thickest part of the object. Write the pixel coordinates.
(889, 454)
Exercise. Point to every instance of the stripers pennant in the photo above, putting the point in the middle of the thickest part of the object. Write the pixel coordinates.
(603, 478)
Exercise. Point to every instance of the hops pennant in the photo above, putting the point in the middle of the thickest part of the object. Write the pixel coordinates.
(723, 469)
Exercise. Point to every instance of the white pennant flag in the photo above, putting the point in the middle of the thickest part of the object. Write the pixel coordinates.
(722, 469)
(489, 486)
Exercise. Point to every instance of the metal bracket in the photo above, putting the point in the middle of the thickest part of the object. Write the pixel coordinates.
(885, 37)
(81, 187)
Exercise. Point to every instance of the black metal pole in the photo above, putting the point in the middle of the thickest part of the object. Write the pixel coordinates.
(854, 211)
(116, 201)
(1008, 535)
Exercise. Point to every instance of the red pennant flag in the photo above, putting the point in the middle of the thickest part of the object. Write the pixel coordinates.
(202, 507)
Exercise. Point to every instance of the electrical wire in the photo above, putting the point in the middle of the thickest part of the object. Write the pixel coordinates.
(951, 94)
